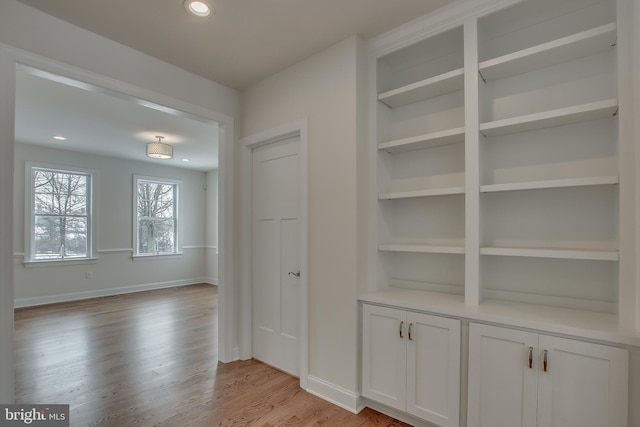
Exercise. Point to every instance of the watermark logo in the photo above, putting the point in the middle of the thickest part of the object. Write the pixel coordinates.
(34, 415)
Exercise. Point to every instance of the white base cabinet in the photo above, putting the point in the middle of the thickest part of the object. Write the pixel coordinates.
(525, 379)
(411, 362)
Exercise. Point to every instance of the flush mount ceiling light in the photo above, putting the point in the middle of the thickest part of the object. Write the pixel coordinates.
(159, 150)
(59, 138)
(198, 7)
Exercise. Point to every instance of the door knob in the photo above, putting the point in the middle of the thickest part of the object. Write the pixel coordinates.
(292, 273)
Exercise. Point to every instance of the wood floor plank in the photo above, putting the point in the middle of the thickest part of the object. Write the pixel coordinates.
(151, 359)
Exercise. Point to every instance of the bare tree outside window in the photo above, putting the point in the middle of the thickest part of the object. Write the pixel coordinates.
(61, 214)
(156, 217)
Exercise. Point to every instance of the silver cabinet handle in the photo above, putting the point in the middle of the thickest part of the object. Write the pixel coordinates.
(409, 332)
(530, 357)
(545, 364)
(292, 273)
(401, 326)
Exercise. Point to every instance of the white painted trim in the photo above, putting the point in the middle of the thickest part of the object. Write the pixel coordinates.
(29, 216)
(246, 157)
(636, 50)
(156, 257)
(75, 296)
(628, 101)
(472, 288)
(399, 415)
(10, 59)
(335, 394)
(60, 262)
(114, 250)
(7, 141)
(177, 213)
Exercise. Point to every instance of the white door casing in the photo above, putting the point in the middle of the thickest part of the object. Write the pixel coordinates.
(249, 143)
(276, 269)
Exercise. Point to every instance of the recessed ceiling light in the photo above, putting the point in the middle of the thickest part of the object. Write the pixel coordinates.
(59, 138)
(198, 7)
(186, 160)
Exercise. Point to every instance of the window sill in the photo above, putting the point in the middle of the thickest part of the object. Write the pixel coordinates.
(60, 262)
(152, 257)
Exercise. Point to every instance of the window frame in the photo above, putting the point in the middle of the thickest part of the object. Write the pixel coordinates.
(30, 215)
(177, 218)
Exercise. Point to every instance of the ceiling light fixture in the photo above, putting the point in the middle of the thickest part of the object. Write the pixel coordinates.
(198, 7)
(59, 137)
(186, 160)
(159, 150)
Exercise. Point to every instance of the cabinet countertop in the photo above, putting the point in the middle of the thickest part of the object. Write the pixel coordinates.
(575, 323)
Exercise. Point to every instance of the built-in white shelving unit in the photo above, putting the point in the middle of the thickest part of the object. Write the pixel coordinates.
(435, 139)
(549, 209)
(503, 175)
(554, 183)
(547, 119)
(421, 193)
(451, 81)
(420, 165)
(555, 52)
(435, 249)
(503, 140)
(594, 255)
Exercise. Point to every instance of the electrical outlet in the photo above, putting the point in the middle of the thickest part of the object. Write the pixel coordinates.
(88, 275)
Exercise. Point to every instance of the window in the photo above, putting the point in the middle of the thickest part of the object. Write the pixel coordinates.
(156, 216)
(61, 226)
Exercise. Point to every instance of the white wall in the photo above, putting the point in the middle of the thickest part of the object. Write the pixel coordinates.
(115, 271)
(33, 31)
(323, 89)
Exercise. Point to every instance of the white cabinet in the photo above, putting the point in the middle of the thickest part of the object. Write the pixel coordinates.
(411, 362)
(525, 379)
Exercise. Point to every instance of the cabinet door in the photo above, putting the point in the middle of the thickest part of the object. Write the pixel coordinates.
(384, 355)
(433, 369)
(584, 385)
(502, 386)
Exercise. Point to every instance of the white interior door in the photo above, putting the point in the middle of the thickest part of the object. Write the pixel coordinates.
(276, 270)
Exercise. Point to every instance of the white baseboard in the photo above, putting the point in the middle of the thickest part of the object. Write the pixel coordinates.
(74, 296)
(335, 394)
(210, 280)
(399, 415)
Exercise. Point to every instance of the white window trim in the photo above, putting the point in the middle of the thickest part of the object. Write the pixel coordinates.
(29, 220)
(178, 246)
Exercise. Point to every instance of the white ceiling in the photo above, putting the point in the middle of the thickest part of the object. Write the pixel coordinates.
(243, 42)
(99, 123)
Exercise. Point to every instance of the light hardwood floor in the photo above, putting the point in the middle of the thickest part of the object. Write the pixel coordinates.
(150, 358)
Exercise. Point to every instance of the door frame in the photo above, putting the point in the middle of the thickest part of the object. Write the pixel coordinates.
(12, 59)
(247, 145)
